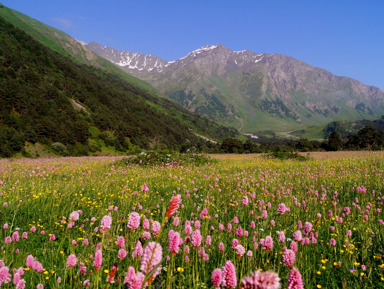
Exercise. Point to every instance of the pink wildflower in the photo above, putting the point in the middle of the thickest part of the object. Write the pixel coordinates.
(229, 278)
(152, 256)
(187, 230)
(208, 241)
(174, 243)
(293, 246)
(239, 231)
(146, 225)
(5, 277)
(176, 221)
(156, 228)
(120, 242)
(71, 261)
(29, 262)
(299, 225)
(138, 250)
(21, 284)
(235, 242)
(196, 239)
(106, 222)
(267, 244)
(121, 254)
(16, 236)
(133, 221)
(281, 209)
(83, 269)
(240, 250)
(98, 259)
(203, 213)
(16, 278)
(244, 201)
(74, 216)
(145, 188)
(289, 257)
(264, 214)
(281, 236)
(297, 236)
(134, 280)
(307, 228)
(294, 280)
(261, 280)
(216, 278)
(37, 267)
(146, 235)
(221, 247)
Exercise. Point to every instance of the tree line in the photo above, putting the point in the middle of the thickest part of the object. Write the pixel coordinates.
(367, 138)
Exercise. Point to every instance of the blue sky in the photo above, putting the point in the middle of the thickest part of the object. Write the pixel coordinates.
(345, 37)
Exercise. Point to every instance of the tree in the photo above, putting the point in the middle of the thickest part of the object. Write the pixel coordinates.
(249, 146)
(231, 145)
(335, 142)
(367, 136)
(304, 145)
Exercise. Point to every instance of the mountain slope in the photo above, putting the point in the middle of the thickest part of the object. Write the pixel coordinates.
(252, 91)
(48, 98)
(64, 44)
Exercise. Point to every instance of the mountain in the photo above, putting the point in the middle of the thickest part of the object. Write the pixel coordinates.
(252, 91)
(71, 108)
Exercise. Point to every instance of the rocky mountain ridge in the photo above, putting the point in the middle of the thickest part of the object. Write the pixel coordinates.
(252, 91)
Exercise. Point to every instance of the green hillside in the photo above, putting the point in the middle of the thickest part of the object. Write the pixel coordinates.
(64, 44)
(76, 109)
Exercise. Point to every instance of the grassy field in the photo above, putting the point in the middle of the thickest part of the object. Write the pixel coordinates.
(94, 222)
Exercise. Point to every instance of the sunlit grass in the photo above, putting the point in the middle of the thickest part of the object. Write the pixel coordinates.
(334, 195)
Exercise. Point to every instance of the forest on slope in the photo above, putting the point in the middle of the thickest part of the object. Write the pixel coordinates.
(77, 109)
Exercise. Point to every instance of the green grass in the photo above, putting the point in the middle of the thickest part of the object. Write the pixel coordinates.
(314, 132)
(43, 193)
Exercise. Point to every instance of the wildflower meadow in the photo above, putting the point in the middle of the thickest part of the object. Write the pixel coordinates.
(227, 223)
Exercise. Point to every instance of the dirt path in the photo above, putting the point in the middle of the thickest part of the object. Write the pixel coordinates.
(287, 134)
(242, 124)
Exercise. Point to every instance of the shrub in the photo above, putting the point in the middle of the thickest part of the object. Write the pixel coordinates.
(59, 147)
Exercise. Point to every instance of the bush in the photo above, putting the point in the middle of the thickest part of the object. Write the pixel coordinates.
(60, 148)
